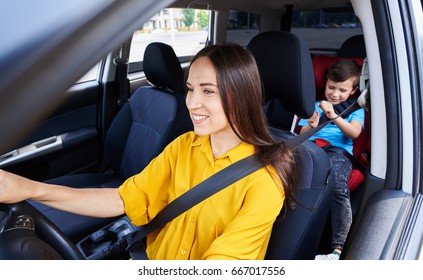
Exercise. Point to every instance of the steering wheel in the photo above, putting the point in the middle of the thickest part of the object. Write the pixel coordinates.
(27, 234)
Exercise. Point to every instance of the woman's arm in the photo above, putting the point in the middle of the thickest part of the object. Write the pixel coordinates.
(89, 202)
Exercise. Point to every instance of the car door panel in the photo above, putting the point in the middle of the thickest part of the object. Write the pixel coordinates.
(67, 141)
(379, 225)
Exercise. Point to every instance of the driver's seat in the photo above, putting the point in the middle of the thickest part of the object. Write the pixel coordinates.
(153, 116)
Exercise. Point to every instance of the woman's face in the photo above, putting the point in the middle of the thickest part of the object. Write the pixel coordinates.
(203, 100)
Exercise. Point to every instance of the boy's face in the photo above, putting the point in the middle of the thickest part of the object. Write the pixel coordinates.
(337, 92)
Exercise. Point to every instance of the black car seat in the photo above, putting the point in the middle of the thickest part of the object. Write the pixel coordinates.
(285, 65)
(287, 85)
(153, 116)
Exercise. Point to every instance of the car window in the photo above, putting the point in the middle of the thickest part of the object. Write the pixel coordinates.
(186, 30)
(242, 27)
(325, 30)
(91, 75)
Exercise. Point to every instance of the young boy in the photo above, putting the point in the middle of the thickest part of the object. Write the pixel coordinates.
(342, 81)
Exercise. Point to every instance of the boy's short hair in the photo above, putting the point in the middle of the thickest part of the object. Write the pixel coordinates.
(343, 70)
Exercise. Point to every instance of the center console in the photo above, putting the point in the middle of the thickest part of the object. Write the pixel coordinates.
(108, 242)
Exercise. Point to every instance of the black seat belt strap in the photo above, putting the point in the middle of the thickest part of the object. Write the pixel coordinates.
(340, 108)
(121, 63)
(205, 189)
(296, 141)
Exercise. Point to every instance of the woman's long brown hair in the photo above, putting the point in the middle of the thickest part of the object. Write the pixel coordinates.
(241, 92)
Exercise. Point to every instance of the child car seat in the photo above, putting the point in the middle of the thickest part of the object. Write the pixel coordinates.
(361, 145)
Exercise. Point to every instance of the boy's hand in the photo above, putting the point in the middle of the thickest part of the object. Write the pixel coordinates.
(327, 109)
(313, 121)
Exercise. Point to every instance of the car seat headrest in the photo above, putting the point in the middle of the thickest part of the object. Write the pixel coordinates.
(285, 66)
(353, 47)
(162, 67)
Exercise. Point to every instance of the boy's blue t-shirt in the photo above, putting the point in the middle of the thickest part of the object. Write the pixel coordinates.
(332, 133)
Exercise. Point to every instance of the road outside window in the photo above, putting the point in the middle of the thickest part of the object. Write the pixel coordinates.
(186, 30)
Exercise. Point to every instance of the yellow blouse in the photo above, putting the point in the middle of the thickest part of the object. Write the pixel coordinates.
(235, 223)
